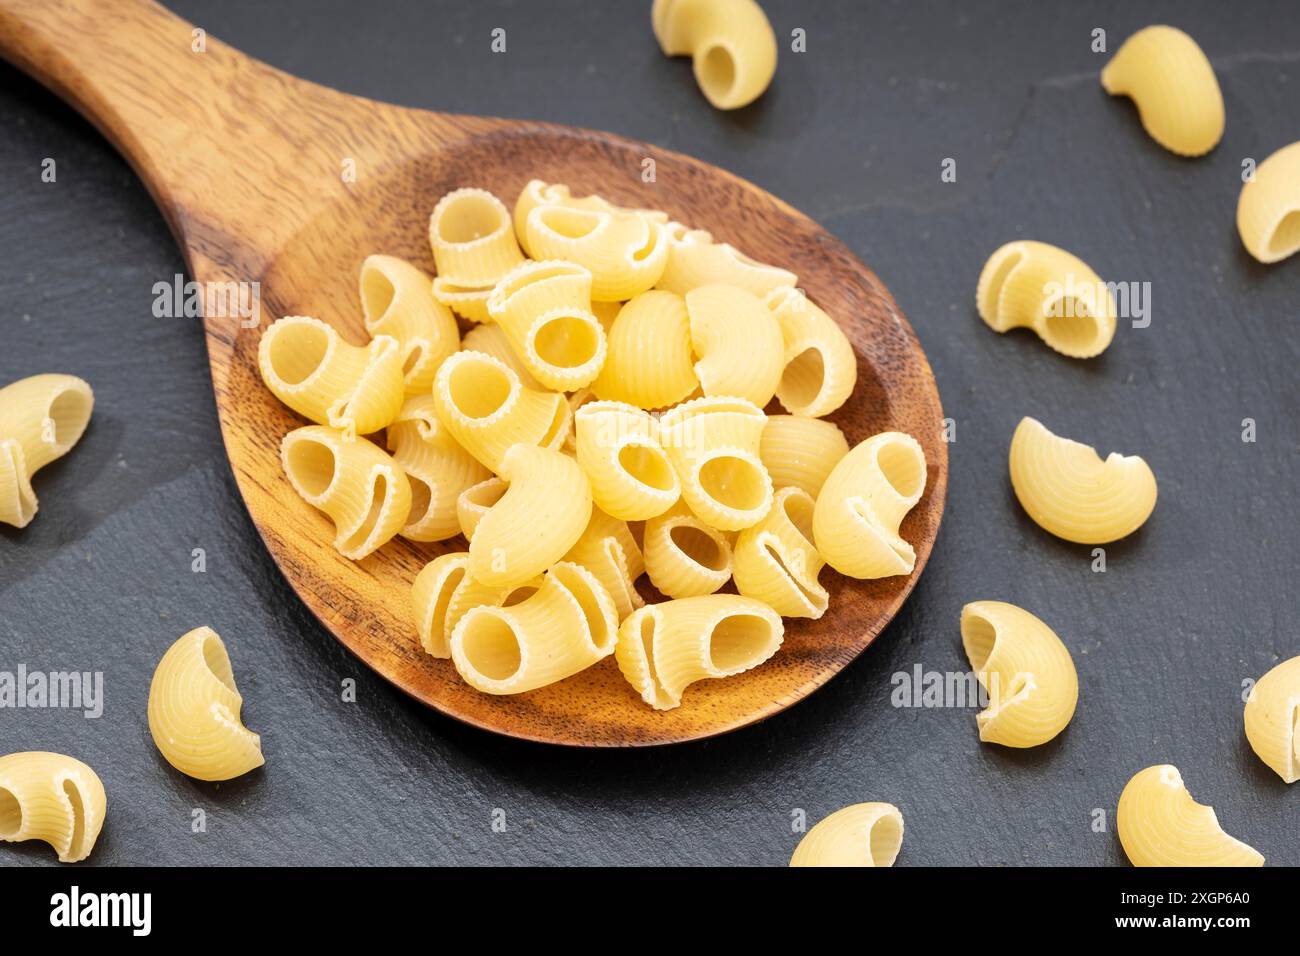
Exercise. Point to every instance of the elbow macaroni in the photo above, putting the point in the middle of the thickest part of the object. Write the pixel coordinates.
(801, 451)
(775, 561)
(731, 45)
(737, 341)
(1161, 825)
(713, 445)
(864, 834)
(41, 418)
(1272, 719)
(608, 550)
(52, 798)
(443, 592)
(819, 370)
(618, 447)
(684, 557)
(1268, 210)
(397, 300)
(649, 362)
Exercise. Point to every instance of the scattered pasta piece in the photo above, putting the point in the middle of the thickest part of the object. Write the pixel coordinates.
(397, 299)
(737, 341)
(1161, 825)
(695, 259)
(618, 447)
(684, 557)
(649, 362)
(52, 798)
(801, 451)
(731, 45)
(775, 561)
(443, 592)
(864, 834)
(194, 711)
(1070, 492)
(1268, 211)
(820, 369)
(1273, 719)
(713, 445)
(608, 550)
(41, 418)
(473, 238)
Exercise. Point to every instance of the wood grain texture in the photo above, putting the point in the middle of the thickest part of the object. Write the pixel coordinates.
(246, 163)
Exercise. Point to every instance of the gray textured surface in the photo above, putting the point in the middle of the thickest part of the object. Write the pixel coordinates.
(853, 133)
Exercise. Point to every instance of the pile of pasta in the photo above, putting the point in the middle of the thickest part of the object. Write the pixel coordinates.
(602, 418)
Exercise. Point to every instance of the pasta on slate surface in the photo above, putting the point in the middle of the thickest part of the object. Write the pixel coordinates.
(436, 466)
(1268, 210)
(1161, 825)
(53, 798)
(737, 342)
(819, 368)
(864, 834)
(730, 42)
(1272, 719)
(41, 418)
(775, 561)
(397, 300)
(649, 362)
(801, 451)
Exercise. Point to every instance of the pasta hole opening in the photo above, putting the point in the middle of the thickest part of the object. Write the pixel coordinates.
(980, 636)
(585, 595)
(469, 217)
(988, 304)
(884, 840)
(378, 498)
(569, 223)
(11, 814)
(479, 388)
(738, 640)
(1018, 685)
(313, 464)
(491, 648)
(78, 817)
(648, 465)
(1071, 326)
(298, 351)
(567, 341)
(415, 355)
(733, 482)
(1286, 237)
(70, 413)
(699, 546)
(794, 573)
(803, 378)
(555, 431)
(902, 468)
(377, 293)
(536, 275)
(799, 509)
(646, 634)
(648, 247)
(421, 499)
(716, 72)
(519, 595)
(218, 661)
(449, 587)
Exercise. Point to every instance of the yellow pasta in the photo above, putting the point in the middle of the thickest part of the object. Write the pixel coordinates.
(819, 368)
(362, 490)
(41, 418)
(52, 798)
(1070, 492)
(713, 445)
(539, 193)
(617, 446)
(775, 561)
(664, 648)
(862, 504)
(1161, 825)
(437, 468)
(397, 299)
(1272, 719)
(473, 238)
(568, 625)
(444, 592)
(1037, 286)
(194, 711)
(540, 517)
(649, 362)
(625, 252)
(470, 302)
(731, 45)
(490, 339)
(737, 341)
(1174, 87)
(487, 409)
(864, 834)
(695, 259)
(608, 550)
(684, 557)
(1028, 673)
(801, 451)
(1268, 210)
(311, 369)
(474, 503)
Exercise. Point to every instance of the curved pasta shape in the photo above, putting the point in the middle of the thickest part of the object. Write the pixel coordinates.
(649, 363)
(1272, 719)
(775, 561)
(626, 253)
(540, 517)
(1161, 825)
(470, 302)
(490, 339)
(1037, 286)
(194, 711)
(695, 259)
(820, 370)
(737, 341)
(568, 625)
(444, 592)
(487, 409)
(1028, 673)
(1268, 210)
(801, 452)
(1070, 492)
(475, 501)
(664, 648)
(731, 45)
(862, 504)
(1173, 85)
(617, 446)
(539, 193)
(41, 418)
(359, 487)
(397, 300)
(864, 834)
(437, 468)
(713, 444)
(308, 366)
(684, 557)
(608, 550)
(53, 798)
(473, 238)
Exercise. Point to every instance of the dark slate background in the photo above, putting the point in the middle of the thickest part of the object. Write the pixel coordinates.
(852, 132)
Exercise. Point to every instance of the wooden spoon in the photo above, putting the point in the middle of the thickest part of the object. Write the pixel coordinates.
(270, 179)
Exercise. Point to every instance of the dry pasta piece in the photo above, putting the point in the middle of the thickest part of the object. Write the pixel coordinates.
(731, 45)
(194, 711)
(1173, 85)
(696, 259)
(864, 834)
(306, 365)
(544, 308)
(801, 451)
(539, 193)
(820, 369)
(490, 339)
(1161, 825)
(626, 253)
(41, 418)
(444, 592)
(1268, 210)
(474, 503)
(1028, 673)
(737, 341)
(435, 465)
(649, 362)
(713, 445)
(362, 490)
(397, 299)
(1037, 286)
(618, 447)
(608, 550)
(539, 518)
(1070, 492)
(684, 557)
(487, 409)
(53, 798)
(568, 625)
(1272, 719)
(862, 504)
(775, 561)
(470, 302)
(473, 238)
(664, 648)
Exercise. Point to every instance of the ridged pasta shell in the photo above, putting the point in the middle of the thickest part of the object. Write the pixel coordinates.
(713, 445)
(737, 341)
(41, 418)
(695, 259)
(684, 556)
(53, 798)
(444, 592)
(775, 561)
(1268, 210)
(608, 550)
(1272, 719)
(1161, 825)
(731, 43)
(625, 253)
(820, 369)
(539, 193)
(864, 834)
(473, 238)
(649, 362)
(436, 466)
(397, 300)
(618, 447)
(801, 452)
